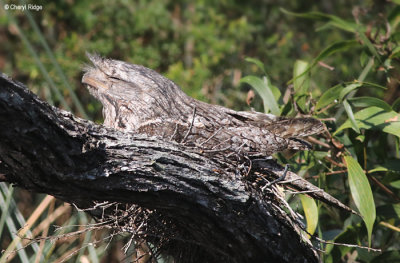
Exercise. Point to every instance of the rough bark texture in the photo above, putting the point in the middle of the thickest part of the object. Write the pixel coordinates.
(216, 213)
(138, 99)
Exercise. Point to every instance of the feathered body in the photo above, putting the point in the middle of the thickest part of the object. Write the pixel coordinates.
(140, 100)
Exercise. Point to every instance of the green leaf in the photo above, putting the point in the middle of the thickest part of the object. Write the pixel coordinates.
(396, 105)
(395, 52)
(272, 101)
(337, 92)
(366, 69)
(335, 47)
(333, 20)
(361, 138)
(378, 169)
(375, 118)
(390, 165)
(395, 184)
(361, 193)
(369, 102)
(275, 91)
(311, 213)
(350, 114)
(329, 96)
(257, 62)
(320, 154)
(263, 88)
(394, 17)
(372, 85)
(301, 102)
(346, 90)
(369, 45)
(301, 82)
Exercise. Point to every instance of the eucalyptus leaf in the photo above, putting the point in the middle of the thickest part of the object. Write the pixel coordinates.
(301, 84)
(370, 101)
(395, 184)
(311, 213)
(350, 114)
(378, 169)
(369, 45)
(395, 52)
(375, 118)
(330, 96)
(347, 89)
(361, 193)
(396, 105)
(264, 90)
(391, 165)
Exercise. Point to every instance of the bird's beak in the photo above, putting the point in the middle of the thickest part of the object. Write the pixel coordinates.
(93, 82)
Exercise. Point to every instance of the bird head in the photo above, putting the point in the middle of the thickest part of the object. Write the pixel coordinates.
(130, 94)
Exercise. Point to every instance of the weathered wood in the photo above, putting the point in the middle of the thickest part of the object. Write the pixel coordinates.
(140, 100)
(219, 216)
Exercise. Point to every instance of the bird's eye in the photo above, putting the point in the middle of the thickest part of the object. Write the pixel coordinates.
(114, 78)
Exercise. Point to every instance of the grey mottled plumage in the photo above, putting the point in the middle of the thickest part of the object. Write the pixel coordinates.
(139, 99)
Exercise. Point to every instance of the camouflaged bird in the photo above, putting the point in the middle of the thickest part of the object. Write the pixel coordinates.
(139, 99)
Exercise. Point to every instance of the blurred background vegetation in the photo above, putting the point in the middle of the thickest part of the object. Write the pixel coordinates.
(335, 60)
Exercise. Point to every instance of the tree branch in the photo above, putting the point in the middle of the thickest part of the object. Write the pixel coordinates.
(216, 214)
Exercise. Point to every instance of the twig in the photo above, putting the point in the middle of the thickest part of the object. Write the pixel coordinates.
(334, 162)
(322, 64)
(389, 226)
(344, 244)
(315, 141)
(283, 201)
(221, 143)
(337, 172)
(304, 192)
(191, 126)
(217, 150)
(175, 131)
(383, 187)
(329, 173)
(326, 108)
(290, 181)
(250, 165)
(277, 180)
(209, 138)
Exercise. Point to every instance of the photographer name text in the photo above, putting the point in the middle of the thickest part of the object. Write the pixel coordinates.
(23, 7)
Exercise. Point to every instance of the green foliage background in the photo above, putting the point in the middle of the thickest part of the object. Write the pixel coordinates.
(329, 59)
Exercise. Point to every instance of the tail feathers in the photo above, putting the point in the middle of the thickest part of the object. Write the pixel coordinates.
(297, 127)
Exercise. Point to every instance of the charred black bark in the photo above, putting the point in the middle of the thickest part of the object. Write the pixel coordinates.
(215, 214)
